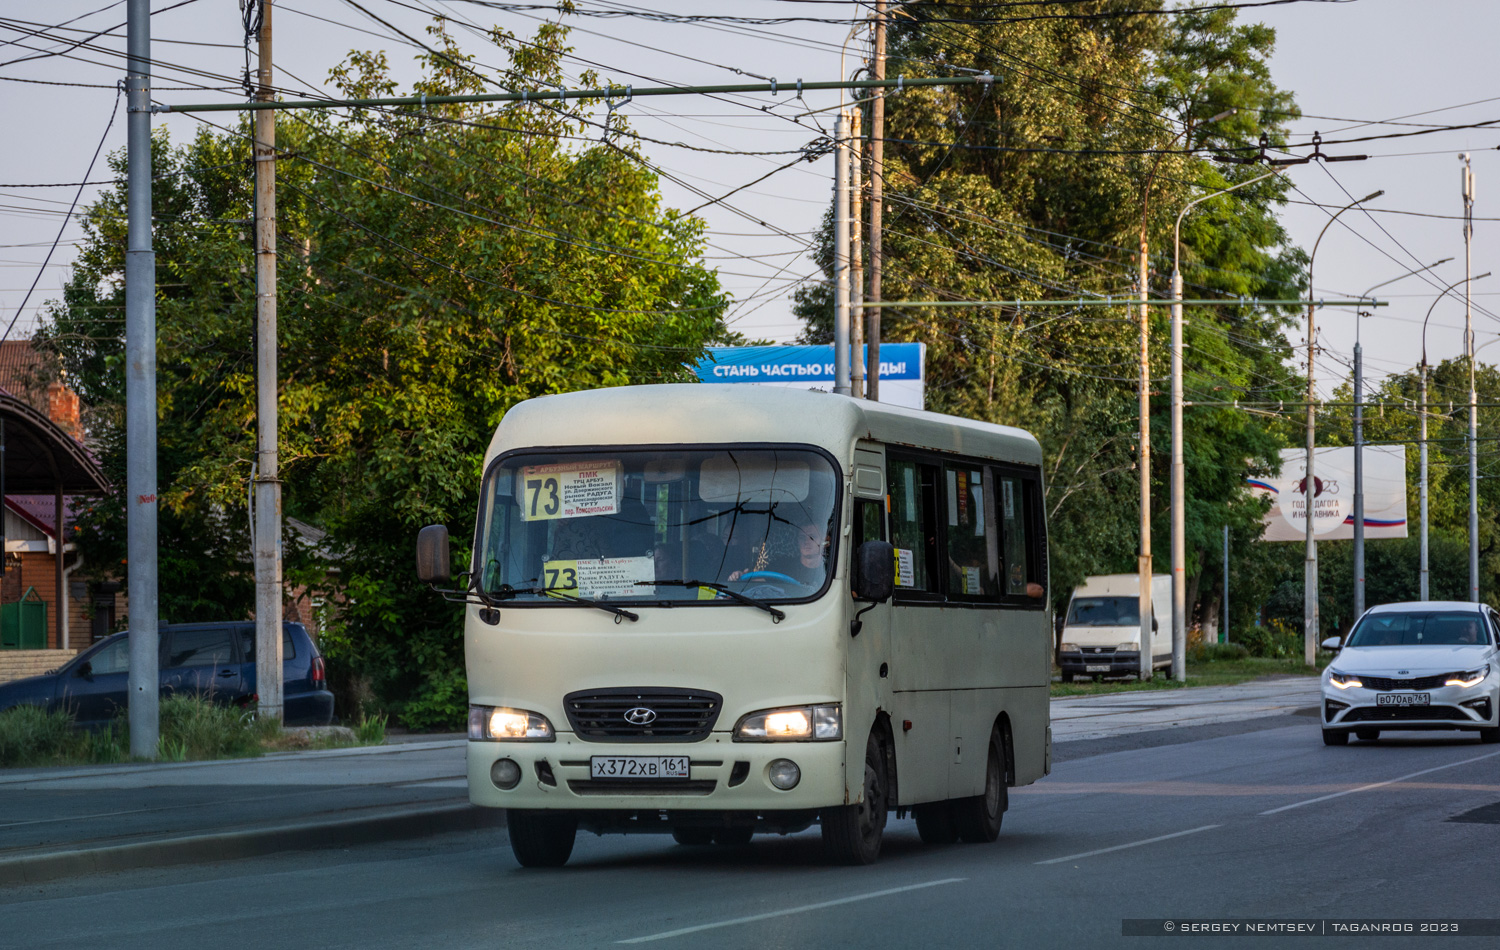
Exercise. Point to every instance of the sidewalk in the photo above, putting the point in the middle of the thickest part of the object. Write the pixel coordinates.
(59, 822)
(1098, 717)
(64, 822)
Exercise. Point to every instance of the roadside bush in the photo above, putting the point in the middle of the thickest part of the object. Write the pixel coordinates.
(1216, 652)
(441, 703)
(194, 728)
(371, 730)
(30, 735)
(1276, 640)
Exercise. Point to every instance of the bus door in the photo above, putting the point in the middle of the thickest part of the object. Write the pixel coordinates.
(869, 654)
(920, 711)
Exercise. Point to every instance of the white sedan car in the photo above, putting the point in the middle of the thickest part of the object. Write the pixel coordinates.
(1426, 665)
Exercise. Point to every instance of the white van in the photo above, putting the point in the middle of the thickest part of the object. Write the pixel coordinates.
(1101, 634)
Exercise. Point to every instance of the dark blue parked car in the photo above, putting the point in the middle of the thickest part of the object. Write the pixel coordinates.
(209, 659)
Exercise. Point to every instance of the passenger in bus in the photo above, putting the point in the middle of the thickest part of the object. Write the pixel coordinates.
(807, 567)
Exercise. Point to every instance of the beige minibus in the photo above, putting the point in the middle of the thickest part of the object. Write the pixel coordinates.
(720, 611)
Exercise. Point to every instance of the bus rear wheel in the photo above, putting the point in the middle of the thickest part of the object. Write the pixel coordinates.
(852, 833)
(541, 839)
(978, 819)
(935, 823)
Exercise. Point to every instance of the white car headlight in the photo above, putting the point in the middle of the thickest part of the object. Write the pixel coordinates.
(1343, 680)
(1069, 648)
(1468, 678)
(502, 723)
(818, 723)
(1130, 647)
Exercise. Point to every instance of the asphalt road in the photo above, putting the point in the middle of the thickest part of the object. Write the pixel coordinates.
(1258, 821)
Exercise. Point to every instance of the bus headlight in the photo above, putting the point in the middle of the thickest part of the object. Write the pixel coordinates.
(501, 723)
(818, 723)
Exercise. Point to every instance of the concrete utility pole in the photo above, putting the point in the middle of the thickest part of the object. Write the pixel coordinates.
(877, 193)
(140, 391)
(856, 257)
(268, 685)
(841, 255)
(1468, 185)
(1224, 635)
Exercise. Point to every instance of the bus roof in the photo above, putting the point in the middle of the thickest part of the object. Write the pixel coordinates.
(709, 414)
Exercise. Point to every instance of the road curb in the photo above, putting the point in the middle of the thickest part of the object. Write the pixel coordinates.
(234, 845)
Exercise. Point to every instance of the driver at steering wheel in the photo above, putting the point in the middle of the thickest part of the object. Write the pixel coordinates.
(808, 568)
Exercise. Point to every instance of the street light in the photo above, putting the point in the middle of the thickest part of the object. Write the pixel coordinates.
(1359, 446)
(1309, 481)
(1179, 489)
(1422, 413)
(1143, 564)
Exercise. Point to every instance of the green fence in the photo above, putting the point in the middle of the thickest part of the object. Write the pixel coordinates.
(23, 625)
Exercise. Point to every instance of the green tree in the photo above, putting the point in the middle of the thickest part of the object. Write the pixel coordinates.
(1032, 186)
(436, 268)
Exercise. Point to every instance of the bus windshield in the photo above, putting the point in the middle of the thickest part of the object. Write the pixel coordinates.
(659, 524)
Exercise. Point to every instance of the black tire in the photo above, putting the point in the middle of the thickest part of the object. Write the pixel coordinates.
(977, 820)
(693, 837)
(1335, 737)
(1067, 677)
(935, 823)
(541, 839)
(852, 833)
(733, 837)
(1489, 735)
(1367, 735)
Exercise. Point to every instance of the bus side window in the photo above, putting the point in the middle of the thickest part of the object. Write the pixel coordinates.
(973, 558)
(1021, 564)
(869, 525)
(914, 501)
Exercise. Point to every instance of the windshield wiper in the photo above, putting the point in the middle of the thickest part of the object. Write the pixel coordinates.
(506, 592)
(777, 615)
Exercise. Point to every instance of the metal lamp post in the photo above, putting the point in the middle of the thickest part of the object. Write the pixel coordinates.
(1309, 480)
(1422, 570)
(1179, 487)
(1144, 568)
(1359, 445)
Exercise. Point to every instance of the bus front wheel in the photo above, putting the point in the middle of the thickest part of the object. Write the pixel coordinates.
(541, 839)
(978, 819)
(852, 833)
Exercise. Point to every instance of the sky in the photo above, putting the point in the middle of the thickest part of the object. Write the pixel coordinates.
(1356, 68)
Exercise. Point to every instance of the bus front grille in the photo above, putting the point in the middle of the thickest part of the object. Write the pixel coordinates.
(644, 714)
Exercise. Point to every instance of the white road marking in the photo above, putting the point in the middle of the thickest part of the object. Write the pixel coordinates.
(1366, 788)
(1133, 844)
(790, 910)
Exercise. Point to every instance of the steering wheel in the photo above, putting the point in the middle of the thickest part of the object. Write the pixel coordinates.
(769, 576)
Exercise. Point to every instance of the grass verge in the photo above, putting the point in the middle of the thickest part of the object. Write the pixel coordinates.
(192, 729)
(1199, 673)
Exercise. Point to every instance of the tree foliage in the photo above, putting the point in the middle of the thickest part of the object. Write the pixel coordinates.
(435, 268)
(1037, 186)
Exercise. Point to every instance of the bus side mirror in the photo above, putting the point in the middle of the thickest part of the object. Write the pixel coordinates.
(877, 571)
(432, 555)
(1156, 626)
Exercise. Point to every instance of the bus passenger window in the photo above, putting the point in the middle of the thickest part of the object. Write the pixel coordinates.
(914, 499)
(1012, 505)
(973, 556)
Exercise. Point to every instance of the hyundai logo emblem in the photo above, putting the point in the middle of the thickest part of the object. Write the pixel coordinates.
(1402, 672)
(640, 716)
